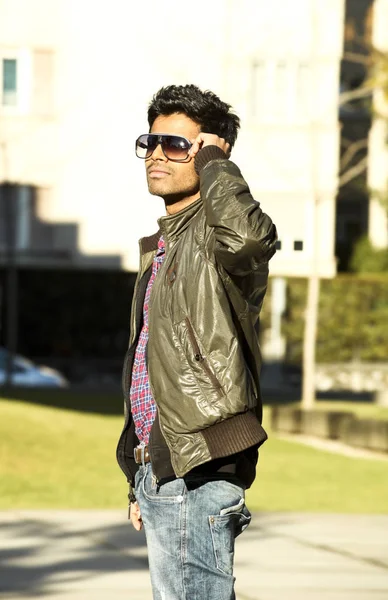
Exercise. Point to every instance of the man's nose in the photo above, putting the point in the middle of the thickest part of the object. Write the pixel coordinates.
(158, 154)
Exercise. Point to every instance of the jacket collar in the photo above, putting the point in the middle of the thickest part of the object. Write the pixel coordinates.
(170, 226)
(150, 243)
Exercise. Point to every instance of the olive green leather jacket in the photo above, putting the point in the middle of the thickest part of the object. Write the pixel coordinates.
(203, 354)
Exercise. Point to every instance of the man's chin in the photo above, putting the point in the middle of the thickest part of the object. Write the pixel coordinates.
(168, 196)
(157, 189)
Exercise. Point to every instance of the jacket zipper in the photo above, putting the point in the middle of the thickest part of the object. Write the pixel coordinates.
(133, 329)
(134, 306)
(146, 354)
(199, 357)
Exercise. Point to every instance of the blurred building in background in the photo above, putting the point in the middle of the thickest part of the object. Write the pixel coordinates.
(76, 78)
(284, 66)
(28, 127)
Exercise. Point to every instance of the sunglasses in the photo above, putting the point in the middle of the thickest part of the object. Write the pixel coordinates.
(174, 147)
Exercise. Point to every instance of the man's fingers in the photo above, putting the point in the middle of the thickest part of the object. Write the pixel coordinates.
(195, 148)
(135, 516)
(209, 139)
(137, 523)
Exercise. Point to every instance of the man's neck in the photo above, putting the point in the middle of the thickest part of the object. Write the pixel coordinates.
(176, 207)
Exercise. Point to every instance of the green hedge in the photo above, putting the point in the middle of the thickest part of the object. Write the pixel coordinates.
(353, 318)
(368, 259)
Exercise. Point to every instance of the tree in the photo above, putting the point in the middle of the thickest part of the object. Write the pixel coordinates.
(375, 62)
(354, 162)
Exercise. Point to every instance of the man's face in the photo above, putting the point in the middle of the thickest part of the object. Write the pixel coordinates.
(173, 181)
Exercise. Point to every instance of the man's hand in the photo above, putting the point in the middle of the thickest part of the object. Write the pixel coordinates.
(209, 139)
(135, 516)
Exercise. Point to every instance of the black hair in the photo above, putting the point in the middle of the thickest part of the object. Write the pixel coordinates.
(205, 108)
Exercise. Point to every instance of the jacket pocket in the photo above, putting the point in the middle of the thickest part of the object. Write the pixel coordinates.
(199, 358)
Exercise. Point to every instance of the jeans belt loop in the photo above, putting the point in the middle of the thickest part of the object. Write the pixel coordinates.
(142, 455)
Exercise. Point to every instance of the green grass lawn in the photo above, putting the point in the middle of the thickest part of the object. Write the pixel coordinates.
(60, 458)
(293, 476)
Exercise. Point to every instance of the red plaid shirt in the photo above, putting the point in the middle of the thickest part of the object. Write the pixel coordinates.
(143, 405)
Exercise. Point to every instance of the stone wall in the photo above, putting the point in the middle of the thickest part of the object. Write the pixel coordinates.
(342, 426)
(354, 377)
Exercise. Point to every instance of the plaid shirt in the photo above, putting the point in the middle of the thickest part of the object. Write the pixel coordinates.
(143, 405)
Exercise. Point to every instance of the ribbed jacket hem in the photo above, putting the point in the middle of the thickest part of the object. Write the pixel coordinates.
(234, 435)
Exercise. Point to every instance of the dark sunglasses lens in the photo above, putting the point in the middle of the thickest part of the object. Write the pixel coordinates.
(175, 147)
(145, 145)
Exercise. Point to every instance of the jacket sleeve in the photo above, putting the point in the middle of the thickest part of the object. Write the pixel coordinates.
(245, 237)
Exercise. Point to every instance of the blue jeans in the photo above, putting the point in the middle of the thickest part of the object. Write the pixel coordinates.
(190, 526)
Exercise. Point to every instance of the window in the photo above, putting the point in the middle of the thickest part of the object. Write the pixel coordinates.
(27, 81)
(259, 92)
(9, 91)
(304, 90)
(281, 90)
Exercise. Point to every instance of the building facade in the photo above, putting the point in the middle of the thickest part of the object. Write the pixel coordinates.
(285, 66)
(77, 78)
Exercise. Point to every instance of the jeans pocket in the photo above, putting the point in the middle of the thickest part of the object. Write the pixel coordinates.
(224, 528)
(245, 519)
(170, 492)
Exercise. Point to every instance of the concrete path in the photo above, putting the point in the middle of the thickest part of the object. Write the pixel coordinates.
(96, 555)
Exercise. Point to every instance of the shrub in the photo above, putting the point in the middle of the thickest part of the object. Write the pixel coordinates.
(368, 259)
(352, 323)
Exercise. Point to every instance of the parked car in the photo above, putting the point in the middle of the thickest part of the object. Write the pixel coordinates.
(27, 373)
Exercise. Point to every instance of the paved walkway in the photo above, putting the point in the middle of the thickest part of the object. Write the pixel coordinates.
(96, 555)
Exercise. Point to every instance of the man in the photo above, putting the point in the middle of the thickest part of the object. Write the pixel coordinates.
(192, 428)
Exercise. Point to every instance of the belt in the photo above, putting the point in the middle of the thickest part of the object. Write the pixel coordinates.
(141, 454)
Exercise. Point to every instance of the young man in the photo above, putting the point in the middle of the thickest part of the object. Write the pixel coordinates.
(193, 413)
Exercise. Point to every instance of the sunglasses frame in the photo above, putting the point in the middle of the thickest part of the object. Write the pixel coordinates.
(159, 140)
